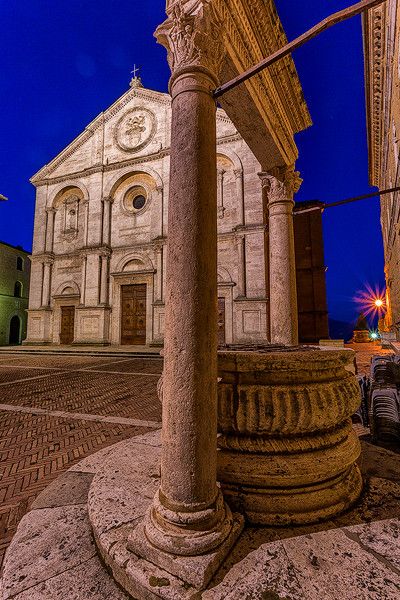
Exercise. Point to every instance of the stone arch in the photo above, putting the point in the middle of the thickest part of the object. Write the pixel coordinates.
(114, 183)
(232, 157)
(142, 261)
(223, 275)
(68, 288)
(15, 326)
(18, 288)
(61, 191)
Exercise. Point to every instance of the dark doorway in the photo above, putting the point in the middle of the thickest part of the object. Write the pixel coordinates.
(133, 314)
(221, 321)
(15, 330)
(67, 325)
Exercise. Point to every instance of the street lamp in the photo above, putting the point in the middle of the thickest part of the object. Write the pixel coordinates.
(3, 197)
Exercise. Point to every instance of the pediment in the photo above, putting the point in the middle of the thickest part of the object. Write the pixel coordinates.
(113, 135)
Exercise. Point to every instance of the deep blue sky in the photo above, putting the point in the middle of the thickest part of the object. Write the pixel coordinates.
(63, 62)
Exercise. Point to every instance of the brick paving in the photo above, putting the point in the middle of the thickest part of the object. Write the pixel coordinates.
(36, 448)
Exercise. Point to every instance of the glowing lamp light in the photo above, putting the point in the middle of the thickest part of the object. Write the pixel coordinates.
(371, 301)
(373, 335)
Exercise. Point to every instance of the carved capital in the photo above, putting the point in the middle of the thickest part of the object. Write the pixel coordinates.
(281, 183)
(238, 173)
(192, 37)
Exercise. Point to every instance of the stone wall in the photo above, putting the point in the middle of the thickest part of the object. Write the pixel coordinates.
(10, 304)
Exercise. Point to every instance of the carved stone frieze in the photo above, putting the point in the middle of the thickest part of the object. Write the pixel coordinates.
(374, 49)
(192, 38)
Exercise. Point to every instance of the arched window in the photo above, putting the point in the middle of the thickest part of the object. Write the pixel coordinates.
(20, 264)
(18, 289)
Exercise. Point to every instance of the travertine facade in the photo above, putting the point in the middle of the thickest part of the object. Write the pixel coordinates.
(101, 226)
(382, 60)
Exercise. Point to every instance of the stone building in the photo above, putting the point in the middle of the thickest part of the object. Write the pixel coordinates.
(310, 272)
(382, 73)
(99, 254)
(14, 293)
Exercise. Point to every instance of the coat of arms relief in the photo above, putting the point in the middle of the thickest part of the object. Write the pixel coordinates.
(135, 129)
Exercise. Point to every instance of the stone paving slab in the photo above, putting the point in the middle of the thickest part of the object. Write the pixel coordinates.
(323, 562)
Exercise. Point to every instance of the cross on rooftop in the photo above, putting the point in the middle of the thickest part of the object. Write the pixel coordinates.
(136, 81)
(135, 71)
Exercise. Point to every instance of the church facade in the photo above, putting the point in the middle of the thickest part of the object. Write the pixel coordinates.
(99, 252)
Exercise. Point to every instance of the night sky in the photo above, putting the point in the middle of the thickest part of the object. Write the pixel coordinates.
(63, 62)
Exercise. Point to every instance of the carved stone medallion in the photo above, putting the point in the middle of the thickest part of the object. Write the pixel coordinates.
(135, 129)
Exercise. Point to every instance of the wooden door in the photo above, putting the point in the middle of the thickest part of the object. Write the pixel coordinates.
(133, 314)
(221, 321)
(67, 324)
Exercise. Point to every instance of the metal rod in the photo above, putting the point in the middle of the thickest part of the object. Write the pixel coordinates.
(337, 17)
(363, 197)
(348, 200)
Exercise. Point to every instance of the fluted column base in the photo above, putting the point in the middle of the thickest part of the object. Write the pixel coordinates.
(288, 451)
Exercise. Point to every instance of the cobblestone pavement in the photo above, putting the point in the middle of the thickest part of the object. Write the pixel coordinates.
(55, 410)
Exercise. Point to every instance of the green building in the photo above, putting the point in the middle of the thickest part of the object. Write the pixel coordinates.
(15, 267)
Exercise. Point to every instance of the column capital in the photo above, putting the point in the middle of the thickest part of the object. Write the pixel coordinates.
(47, 258)
(192, 37)
(109, 199)
(281, 183)
(238, 173)
(105, 252)
(51, 210)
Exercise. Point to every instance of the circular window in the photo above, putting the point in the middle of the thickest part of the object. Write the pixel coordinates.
(138, 202)
(135, 200)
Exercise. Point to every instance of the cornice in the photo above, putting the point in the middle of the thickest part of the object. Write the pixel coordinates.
(375, 27)
(252, 31)
(165, 152)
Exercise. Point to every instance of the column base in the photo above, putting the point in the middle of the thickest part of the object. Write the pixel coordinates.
(195, 571)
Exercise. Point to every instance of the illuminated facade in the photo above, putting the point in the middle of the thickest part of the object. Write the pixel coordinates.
(382, 71)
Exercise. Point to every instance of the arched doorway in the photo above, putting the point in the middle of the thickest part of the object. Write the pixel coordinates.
(15, 329)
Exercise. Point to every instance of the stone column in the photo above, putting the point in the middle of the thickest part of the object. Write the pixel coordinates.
(281, 185)
(159, 275)
(105, 259)
(189, 528)
(51, 213)
(85, 210)
(46, 283)
(160, 191)
(107, 202)
(240, 197)
(241, 250)
(220, 193)
(83, 281)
